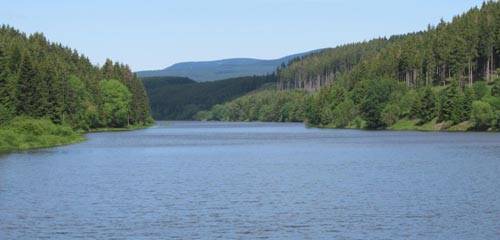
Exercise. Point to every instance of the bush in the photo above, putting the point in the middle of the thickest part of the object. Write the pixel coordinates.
(344, 114)
(495, 90)
(390, 114)
(482, 114)
(480, 89)
(5, 115)
(24, 133)
(204, 116)
(374, 101)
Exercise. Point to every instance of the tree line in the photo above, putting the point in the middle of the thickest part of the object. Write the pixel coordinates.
(41, 79)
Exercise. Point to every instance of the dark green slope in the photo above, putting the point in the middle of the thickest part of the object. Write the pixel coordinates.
(175, 98)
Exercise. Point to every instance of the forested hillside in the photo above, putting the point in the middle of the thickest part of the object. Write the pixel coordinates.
(176, 98)
(466, 49)
(313, 71)
(443, 78)
(48, 90)
(40, 79)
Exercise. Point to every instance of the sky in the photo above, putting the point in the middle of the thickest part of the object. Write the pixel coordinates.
(154, 34)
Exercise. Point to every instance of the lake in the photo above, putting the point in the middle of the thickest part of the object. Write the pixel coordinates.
(206, 180)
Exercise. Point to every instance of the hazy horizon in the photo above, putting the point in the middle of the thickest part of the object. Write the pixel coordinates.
(157, 34)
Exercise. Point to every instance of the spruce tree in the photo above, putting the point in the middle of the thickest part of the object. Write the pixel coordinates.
(26, 89)
(467, 105)
(427, 105)
(7, 85)
(449, 101)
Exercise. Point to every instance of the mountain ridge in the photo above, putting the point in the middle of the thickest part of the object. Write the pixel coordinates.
(203, 71)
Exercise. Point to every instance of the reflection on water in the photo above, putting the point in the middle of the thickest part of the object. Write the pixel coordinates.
(193, 180)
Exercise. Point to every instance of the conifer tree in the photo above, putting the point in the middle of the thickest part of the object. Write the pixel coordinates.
(450, 101)
(427, 105)
(468, 99)
(7, 85)
(27, 95)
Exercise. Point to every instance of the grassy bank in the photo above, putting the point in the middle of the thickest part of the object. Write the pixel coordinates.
(413, 125)
(26, 133)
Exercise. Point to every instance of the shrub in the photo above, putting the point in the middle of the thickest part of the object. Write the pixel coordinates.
(482, 114)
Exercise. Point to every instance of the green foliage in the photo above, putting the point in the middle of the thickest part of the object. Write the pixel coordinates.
(28, 94)
(425, 106)
(480, 89)
(330, 62)
(313, 111)
(5, 115)
(374, 101)
(24, 133)
(493, 101)
(7, 82)
(116, 100)
(177, 98)
(469, 97)
(41, 79)
(344, 114)
(430, 80)
(482, 114)
(390, 114)
(267, 105)
(454, 107)
(463, 52)
(495, 90)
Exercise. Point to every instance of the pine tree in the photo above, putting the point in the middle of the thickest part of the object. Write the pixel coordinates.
(7, 84)
(427, 105)
(459, 115)
(450, 101)
(467, 105)
(27, 92)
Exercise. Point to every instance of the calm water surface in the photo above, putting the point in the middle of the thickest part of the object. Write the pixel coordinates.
(193, 180)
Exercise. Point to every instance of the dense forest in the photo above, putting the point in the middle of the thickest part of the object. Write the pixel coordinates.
(42, 82)
(177, 98)
(465, 49)
(443, 78)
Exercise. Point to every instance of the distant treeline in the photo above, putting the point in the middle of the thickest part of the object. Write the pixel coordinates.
(41, 79)
(176, 98)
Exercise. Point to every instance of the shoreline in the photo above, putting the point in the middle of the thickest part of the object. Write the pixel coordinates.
(9, 143)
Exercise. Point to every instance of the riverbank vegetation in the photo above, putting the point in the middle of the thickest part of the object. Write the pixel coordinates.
(58, 92)
(444, 78)
(380, 104)
(25, 133)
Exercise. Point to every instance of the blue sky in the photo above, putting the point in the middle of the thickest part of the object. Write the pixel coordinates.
(153, 34)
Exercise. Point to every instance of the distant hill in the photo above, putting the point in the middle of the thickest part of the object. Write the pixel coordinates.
(222, 69)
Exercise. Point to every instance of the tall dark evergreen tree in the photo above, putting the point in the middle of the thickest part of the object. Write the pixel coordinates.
(426, 107)
(450, 102)
(27, 96)
(7, 84)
